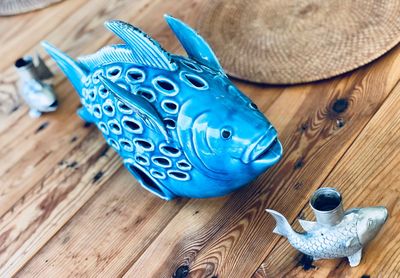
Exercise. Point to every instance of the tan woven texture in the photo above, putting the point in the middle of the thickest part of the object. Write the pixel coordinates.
(12, 7)
(287, 42)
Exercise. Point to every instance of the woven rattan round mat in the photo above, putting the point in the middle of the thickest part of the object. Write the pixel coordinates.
(12, 7)
(287, 42)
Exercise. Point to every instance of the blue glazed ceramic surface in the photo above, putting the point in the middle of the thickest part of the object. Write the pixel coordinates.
(180, 125)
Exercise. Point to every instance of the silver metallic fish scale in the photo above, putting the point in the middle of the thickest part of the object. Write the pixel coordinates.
(327, 243)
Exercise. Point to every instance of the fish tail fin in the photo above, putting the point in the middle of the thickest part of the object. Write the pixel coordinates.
(71, 68)
(283, 227)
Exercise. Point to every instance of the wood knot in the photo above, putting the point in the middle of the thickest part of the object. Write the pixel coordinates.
(299, 163)
(340, 105)
(98, 176)
(73, 164)
(42, 127)
(181, 272)
(303, 127)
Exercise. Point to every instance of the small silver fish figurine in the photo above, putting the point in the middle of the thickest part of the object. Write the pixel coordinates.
(38, 95)
(336, 234)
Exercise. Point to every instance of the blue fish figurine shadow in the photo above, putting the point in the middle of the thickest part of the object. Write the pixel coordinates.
(180, 125)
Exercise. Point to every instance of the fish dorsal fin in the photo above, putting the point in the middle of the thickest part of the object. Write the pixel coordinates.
(195, 46)
(307, 225)
(145, 50)
(42, 71)
(142, 108)
(108, 54)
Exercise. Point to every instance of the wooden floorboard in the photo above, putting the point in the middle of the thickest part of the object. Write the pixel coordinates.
(238, 236)
(372, 169)
(69, 208)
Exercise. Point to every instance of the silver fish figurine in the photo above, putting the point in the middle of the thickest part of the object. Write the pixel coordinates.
(337, 233)
(180, 125)
(37, 94)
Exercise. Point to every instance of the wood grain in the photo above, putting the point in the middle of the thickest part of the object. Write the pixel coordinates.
(236, 239)
(372, 169)
(68, 208)
(110, 231)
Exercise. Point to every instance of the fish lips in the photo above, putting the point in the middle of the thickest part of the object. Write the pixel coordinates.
(266, 152)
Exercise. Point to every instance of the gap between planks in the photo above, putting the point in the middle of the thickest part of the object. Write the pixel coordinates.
(293, 223)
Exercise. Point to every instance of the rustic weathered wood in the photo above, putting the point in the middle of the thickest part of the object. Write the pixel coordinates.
(367, 175)
(311, 122)
(113, 229)
(28, 165)
(67, 207)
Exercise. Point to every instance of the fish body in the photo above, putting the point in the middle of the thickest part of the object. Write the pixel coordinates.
(37, 94)
(180, 125)
(346, 239)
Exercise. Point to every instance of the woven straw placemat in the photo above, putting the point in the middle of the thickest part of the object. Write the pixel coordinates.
(287, 42)
(12, 7)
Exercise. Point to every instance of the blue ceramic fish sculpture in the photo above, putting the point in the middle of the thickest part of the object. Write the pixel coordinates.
(180, 125)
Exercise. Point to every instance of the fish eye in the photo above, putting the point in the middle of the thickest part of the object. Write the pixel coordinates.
(370, 222)
(253, 106)
(226, 133)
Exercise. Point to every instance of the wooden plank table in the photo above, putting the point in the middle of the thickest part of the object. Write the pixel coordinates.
(69, 208)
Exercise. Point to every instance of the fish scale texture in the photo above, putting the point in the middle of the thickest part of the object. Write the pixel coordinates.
(329, 242)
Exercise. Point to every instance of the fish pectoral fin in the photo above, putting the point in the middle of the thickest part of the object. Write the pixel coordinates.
(42, 71)
(196, 47)
(84, 114)
(355, 259)
(142, 107)
(33, 113)
(307, 225)
(351, 241)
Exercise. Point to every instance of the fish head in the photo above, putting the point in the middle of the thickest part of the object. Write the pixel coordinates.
(370, 222)
(42, 98)
(231, 136)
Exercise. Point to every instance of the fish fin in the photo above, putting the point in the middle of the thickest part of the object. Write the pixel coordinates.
(351, 241)
(109, 54)
(84, 114)
(145, 50)
(282, 225)
(147, 181)
(138, 104)
(42, 71)
(307, 225)
(355, 259)
(34, 114)
(71, 68)
(196, 47)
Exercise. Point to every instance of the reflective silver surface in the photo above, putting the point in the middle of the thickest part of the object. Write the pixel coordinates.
(336, 234)
(37, 94)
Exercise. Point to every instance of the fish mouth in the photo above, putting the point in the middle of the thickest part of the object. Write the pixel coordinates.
(267, 151)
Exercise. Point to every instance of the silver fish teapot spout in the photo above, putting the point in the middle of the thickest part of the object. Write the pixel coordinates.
(38, 94)
(336, 233)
